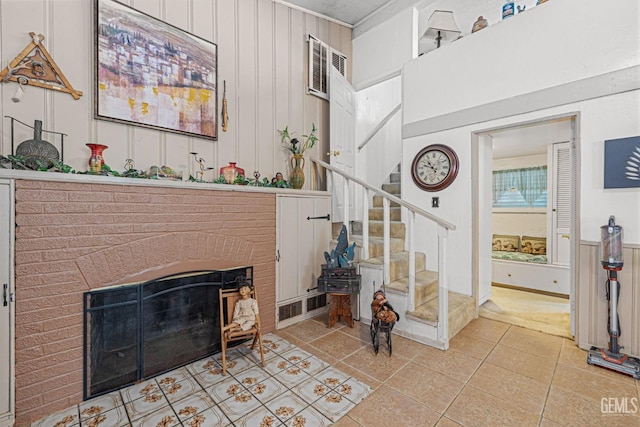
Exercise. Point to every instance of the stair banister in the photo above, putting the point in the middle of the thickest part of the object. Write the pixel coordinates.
(443, 288)
(365, 223)
(345, 203)
(411, 217)
(443, 229)
(386, 217)
(379, 127)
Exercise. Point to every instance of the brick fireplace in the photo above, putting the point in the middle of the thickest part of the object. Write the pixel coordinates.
(72, 237)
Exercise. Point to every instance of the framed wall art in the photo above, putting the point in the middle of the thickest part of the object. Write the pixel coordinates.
(150, 73)
(622, 162)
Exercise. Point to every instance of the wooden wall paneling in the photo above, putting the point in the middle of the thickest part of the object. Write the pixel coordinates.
(15, 37)
(631, 291)
(175, 148)
(297, 66)
(204, 24)
(147, 149)
(324, 34)
(267, 141)
(311, 102)
(346, 47)
(262, 54)
(70, 116)
(592, 322)
(247, 85)
(228, 146)
(282, 72)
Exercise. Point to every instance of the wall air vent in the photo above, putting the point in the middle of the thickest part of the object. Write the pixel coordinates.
(321, 57)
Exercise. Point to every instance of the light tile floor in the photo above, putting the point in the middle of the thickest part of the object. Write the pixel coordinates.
(493, 374)
(294, 388)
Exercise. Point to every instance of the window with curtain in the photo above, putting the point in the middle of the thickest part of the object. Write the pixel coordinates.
(520, 188)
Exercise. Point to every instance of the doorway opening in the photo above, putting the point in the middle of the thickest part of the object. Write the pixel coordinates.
(525, 223)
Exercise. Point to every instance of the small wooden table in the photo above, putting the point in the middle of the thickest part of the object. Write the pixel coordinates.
(340, 306)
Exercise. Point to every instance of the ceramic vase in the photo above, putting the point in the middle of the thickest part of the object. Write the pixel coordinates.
(36, 151)
(297, 172)
(231, 172)
(96, 160)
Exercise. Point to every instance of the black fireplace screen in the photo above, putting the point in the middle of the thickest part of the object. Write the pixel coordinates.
(136, 331)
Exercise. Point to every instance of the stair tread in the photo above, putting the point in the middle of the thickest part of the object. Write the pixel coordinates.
(393, 256)
(423, 278)
(377, 239)
(429, 310)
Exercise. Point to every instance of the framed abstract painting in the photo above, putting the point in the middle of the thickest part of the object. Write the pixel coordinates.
(152, 74)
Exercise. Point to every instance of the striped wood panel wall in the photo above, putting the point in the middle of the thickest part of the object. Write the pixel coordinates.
(592, 317)
(262, 55)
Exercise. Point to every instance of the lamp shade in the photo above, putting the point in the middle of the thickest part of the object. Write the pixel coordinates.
(442, 24)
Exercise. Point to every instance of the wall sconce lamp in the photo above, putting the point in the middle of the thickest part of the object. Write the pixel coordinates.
(441, 26)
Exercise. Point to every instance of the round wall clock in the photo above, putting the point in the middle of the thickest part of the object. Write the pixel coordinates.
(435, 167)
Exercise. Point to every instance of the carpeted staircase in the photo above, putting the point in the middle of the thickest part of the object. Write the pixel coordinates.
(461, 307)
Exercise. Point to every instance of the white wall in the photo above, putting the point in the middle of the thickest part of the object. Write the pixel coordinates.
(552, 44)
(445, 75)
(381, 51)
(262, 56)
(382, 154)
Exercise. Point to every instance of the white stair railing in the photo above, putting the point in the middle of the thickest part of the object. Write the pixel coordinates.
(443, 229)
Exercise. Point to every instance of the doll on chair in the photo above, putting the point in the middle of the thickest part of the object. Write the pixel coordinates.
(382, 310)
(245, 310)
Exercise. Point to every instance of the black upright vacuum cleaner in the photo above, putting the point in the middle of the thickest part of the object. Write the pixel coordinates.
(612, 358)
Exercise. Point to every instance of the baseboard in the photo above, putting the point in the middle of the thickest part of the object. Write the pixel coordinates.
(535, 291)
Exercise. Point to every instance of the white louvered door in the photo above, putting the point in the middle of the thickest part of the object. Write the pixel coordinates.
(561, 204)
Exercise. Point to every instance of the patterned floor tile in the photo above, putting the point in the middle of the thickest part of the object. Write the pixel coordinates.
(179, 390)
(286, 405)
(332, 377)
(333, 405)
(211, 375)
(259, 417)
(278, 346)
(164, 417)
(307, 418)
(200, 365)
(148, 403)
(276, 365)
(311, 390)
(174, 376)
(296, 355)
(114, 417)
(239, 404)
(92, 407)
(212, 417)
(252, 376)
(139, 390)
(67, 418)
(192, 405)
(353, 390)
(237, 364)
(224, 389)
(292, 375)
(267, 390)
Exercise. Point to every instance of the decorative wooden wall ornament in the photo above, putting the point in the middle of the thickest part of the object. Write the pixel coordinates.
(38, 69)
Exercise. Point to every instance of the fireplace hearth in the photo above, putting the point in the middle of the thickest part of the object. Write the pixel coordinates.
(136, 331)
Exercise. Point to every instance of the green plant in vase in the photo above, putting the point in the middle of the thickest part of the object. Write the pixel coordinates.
(297, 149)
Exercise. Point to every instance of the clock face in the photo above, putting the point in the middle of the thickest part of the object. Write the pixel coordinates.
(434, 167)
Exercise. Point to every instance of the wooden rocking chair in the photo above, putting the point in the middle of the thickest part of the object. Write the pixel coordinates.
(228, 300)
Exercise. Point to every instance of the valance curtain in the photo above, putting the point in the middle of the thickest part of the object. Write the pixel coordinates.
(519, 187)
